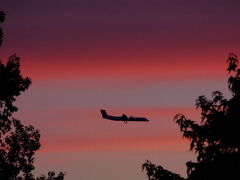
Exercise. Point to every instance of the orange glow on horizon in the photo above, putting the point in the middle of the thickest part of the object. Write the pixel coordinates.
(128, 69)
(173, 143)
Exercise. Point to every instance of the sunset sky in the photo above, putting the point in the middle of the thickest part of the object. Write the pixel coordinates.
(149, 58)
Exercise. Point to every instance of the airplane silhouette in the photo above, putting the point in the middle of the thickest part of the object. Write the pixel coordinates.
(123, 118)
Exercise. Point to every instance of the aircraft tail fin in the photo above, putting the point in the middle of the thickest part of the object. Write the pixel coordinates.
(104, 113)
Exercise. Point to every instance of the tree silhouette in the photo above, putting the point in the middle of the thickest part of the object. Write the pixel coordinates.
(215, 139)
(18, 142)
(52, 176)
(2, 18)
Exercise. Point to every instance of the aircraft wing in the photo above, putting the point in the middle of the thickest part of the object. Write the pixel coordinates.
(116, 118)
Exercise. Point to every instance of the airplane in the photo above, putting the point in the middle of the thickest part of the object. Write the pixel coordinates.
(123, 118)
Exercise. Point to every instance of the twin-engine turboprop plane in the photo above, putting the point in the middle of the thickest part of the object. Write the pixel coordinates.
(123, 118)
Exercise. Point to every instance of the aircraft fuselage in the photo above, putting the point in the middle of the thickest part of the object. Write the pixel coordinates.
(122, 118)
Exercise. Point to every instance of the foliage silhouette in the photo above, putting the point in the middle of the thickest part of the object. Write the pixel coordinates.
(2, 18)
(215, 140)
(18, 142)
(158, 172)
(51, 176)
